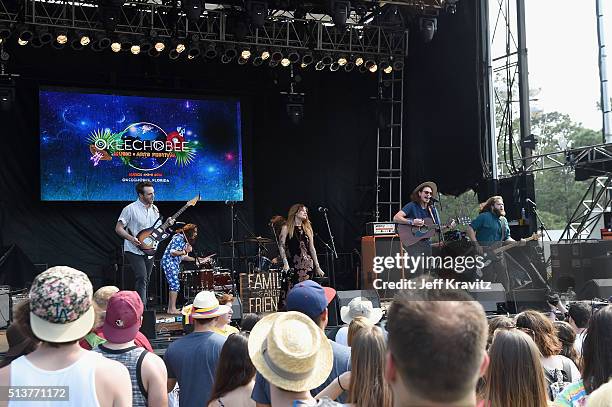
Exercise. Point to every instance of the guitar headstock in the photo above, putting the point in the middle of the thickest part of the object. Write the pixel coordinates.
(193, 201)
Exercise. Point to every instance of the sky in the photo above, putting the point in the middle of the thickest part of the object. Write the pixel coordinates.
(562, 52)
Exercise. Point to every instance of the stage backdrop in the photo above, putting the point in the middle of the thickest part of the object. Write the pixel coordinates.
(328, 160)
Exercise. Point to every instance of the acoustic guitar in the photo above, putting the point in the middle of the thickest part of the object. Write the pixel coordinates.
(151, 237)
(410, 234)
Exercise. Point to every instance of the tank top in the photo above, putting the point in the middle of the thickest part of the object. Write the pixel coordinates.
(131, 358)
(80, 377)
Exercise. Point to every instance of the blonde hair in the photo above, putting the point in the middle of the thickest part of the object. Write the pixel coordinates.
(100, 302)
(291, 221)
(486, 205)
(356, 325)
(368, 387)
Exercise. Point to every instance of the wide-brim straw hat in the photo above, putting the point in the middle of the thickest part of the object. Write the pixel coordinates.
(205, 305)
(291, 351)
(415, 193)
(360, 307)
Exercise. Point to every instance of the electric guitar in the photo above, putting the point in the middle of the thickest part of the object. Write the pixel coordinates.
(410, 234)
(151, 237)
(491, 255)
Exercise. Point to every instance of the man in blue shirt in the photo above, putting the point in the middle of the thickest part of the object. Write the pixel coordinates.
(311, 299)
(490, 225)
(414, 214)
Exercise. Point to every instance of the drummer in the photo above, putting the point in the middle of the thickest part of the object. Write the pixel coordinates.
(178, 250)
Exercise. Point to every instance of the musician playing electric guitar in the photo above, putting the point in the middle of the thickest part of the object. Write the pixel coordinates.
(415, 213)
(139, 215)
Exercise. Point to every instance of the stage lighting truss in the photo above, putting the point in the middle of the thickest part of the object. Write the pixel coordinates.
(315, 33)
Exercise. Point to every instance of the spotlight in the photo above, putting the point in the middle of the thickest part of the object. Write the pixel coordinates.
(194, 52)
(257, 61)
(61, 37)
(145, 45)
(319, 66)
(293, 56)
(342, 60)
(159, 46)
(359, 61)
(349, 66)
(95, 46)
(230, 52)
(45, 37)
(307, 59)
(76, 45)
(83, 38)
(153, 53)
(189, 56)
(126, 44)
(373, 68)
(22, 42)
(245, 54)
(173, 54)
(211, 51)
(327, 60)
(387, 69)
(303, 65)
(178, 45)
(36, 42)
(115, 46)
(263, 53)
(135, 49)
(25, 35)
(339, 11)
(334, 67)
(276, 56)
(225, 59)
(398, 64)
(369, 63)
(428, 27)
(285, 62)
(258, 11)
(242, 61)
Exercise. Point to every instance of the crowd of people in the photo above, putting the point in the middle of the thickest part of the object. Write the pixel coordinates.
(437, 348)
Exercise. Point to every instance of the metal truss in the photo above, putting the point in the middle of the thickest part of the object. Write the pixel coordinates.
(595, 201)
(281, 30)
(575, 157)
(389, 145)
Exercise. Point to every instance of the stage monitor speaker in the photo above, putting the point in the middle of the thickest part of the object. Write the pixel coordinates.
(236, 309)
(596, 288)
(342, 299)
(5, 306)
(576, 263)
(492, 300)
(380, 246)
(149, 319)
(526, 299)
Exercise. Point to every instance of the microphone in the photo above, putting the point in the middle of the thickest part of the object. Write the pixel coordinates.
(432, 199)
(529, 201)
(322, 209)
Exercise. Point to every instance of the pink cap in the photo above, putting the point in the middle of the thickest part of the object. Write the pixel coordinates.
(123, 316)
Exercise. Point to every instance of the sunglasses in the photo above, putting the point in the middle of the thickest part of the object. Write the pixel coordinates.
(428, 192)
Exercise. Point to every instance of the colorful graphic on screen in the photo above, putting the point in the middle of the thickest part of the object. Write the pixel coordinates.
(96, 147)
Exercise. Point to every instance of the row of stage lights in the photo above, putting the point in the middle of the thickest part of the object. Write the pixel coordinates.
(194, 49)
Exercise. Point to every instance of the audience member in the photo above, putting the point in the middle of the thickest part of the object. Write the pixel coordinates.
(515, 377)
(436, 348)
(579, 316)
(148, 373)
(223, 326)
(596, 360)
(293, 354)
(498, 322)
(567, 336)
(355, 326)
(365, 382)
(248, 322)
(192, 360)
(61, 313)
(235, 375)
(357, 307)
(309, 298)
(96, 336)
(602, 397)
(18, 343)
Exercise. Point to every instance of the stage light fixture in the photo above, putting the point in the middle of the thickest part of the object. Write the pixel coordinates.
(285, 62)
(342, 60)
(61, 36)
(334, 67)
(153, 53)
(303, 65)
(193, 52)
(373, 68)
(339, 11)
(327, 60)
(145, 45)
(24, 35)
(428, 27)
(293, 56)
(276, 56)
(85, 40)
(258, 11)
(386, 68)
(307, 59)
(211, 51)
(257, 61)
(135, 49)
(398, 65)
(95, 46)
(369, 63)
(319, 66)
(349, 66)
(230, 52)
(36, 42)
(75, 44)
(245, 54)
(57, 45)
(173, 54)
(22, 42)
(242, 61)
(4, 56)
(225, 59)
(103, 41)
(115, 46)
(359, 61)
(190, 56)
(159, 46)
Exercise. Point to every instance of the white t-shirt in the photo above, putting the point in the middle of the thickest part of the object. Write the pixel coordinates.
(556, 362)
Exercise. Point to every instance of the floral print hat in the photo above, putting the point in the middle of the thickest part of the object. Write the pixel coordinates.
(61, 305)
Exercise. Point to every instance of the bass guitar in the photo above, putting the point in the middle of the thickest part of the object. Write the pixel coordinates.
(151, 237)
(410, 234)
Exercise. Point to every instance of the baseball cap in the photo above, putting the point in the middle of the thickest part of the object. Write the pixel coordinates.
(310, 298)
(61, 305)
(123, 314)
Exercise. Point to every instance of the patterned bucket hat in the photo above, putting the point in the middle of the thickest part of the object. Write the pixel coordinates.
(61, 305)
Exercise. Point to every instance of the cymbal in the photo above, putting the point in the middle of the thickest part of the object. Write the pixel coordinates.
(229, 242)
(259, 239)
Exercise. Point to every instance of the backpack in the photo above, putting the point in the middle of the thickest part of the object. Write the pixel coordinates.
(557, 380)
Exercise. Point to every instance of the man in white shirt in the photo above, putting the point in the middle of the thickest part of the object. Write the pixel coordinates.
(579, 316)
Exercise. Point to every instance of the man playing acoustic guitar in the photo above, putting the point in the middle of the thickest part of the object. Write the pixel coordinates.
(415, 213)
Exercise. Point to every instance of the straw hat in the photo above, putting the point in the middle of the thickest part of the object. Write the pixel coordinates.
(360, 307)
(415, 193)
(205, 305)
(290, 351)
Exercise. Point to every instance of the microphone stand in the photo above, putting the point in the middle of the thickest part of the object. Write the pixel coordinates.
(543, 228)
(231, 203)
(332, 272)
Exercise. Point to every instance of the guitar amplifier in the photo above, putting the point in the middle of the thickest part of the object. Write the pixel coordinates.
(380, 229)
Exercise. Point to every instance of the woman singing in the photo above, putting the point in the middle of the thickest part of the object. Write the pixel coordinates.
(297, 246)
(178, 250)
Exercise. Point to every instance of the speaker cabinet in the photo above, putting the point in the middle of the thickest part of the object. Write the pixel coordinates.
(526, 299)
(380, 246)
(597, 288)
(342, 299)
(492, 300)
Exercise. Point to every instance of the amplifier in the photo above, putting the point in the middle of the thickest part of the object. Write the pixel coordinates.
(380, 228)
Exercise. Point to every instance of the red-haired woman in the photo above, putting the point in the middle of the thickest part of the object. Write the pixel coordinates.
(178, 250)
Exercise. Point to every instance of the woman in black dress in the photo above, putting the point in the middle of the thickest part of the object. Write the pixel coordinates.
(297, 247)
